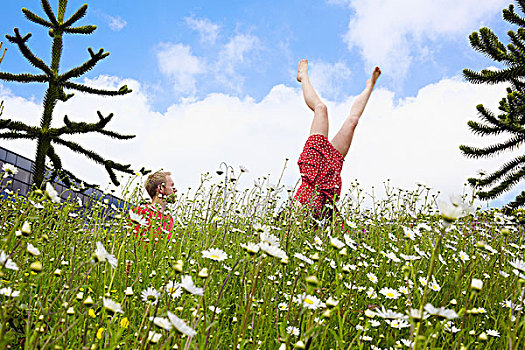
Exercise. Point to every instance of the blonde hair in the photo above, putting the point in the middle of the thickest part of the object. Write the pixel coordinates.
(154, 180)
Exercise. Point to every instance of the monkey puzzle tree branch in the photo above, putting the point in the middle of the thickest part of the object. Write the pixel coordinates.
(492, 150)
(21, 42)
(15, 135)
(49, 12)
(86, 67)
(512, 17)
(519, 201)
(36, 19)
(18, 126)
(79, 87)
(500, 173)
(80, 30)
(108, 164)
(82, 127)
(81, 12)
(115, 135)
(57, 167)
(24, 78)
(510, 181)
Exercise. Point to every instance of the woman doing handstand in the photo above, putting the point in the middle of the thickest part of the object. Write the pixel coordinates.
(321, 161)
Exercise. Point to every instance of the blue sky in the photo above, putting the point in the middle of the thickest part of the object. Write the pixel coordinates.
(186, 55)
(286, 31)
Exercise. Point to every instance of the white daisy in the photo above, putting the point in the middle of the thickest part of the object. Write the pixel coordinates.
(302, 257)
(161, 322)
(150, 295)
(390, 293)
(181, 326)
(403, 290)
(409, 233)
(187, 284)
(8, 292)
(450, 212)
(310, 301)
(101, 255)
(398, 323)
(518, 264)
(52, 194)
(369, 248)
(388, 314)
(336, 243)
(214, 254)
(174, 289)
(269, 238)
(463, 256)
(7, 262)
(372, 277)
(293, 331)
(154, 337)
(409, 257)
(273, 250)
(282, 306)
(217, 310)
(9, 169)
(112, 306)
(32, 249)
(350, 242)
(251, 248)
(493, 333)
(137, 219)
(434, 285)
(441, 312)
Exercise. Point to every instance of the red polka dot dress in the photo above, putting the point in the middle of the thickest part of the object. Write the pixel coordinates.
(320, 165)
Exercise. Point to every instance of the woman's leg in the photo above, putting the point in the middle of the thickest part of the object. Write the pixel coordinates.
(320, 121)
(343, 139)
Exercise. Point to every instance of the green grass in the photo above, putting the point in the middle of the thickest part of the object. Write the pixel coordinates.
(259, 294)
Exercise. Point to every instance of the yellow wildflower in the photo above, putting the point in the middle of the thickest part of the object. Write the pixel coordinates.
(99, 332)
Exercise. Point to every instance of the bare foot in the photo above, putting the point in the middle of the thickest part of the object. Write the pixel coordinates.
(302, 70)
(375, 74)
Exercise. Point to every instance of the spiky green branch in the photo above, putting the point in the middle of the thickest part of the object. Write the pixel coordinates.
(511, 120)
(57, 84)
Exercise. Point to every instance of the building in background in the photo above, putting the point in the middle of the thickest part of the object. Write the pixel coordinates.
(21, 183)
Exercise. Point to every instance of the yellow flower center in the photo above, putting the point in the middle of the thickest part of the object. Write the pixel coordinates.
(390, 294)
(308, 301)
(214, 257)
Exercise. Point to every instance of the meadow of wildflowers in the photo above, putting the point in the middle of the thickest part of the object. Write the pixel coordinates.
(241, 272)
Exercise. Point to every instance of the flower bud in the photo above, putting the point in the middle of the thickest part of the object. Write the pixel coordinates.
(299, 345)
(203, 273)
(312, 281)
(476, 284)
(36, 266)
(26, 228)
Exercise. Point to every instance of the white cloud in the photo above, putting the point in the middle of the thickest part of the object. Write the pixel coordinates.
(208, 30)
(391, 33)
(116, 23)
(178, 63)
(408, 141)
(233, 55)
(328, 78)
